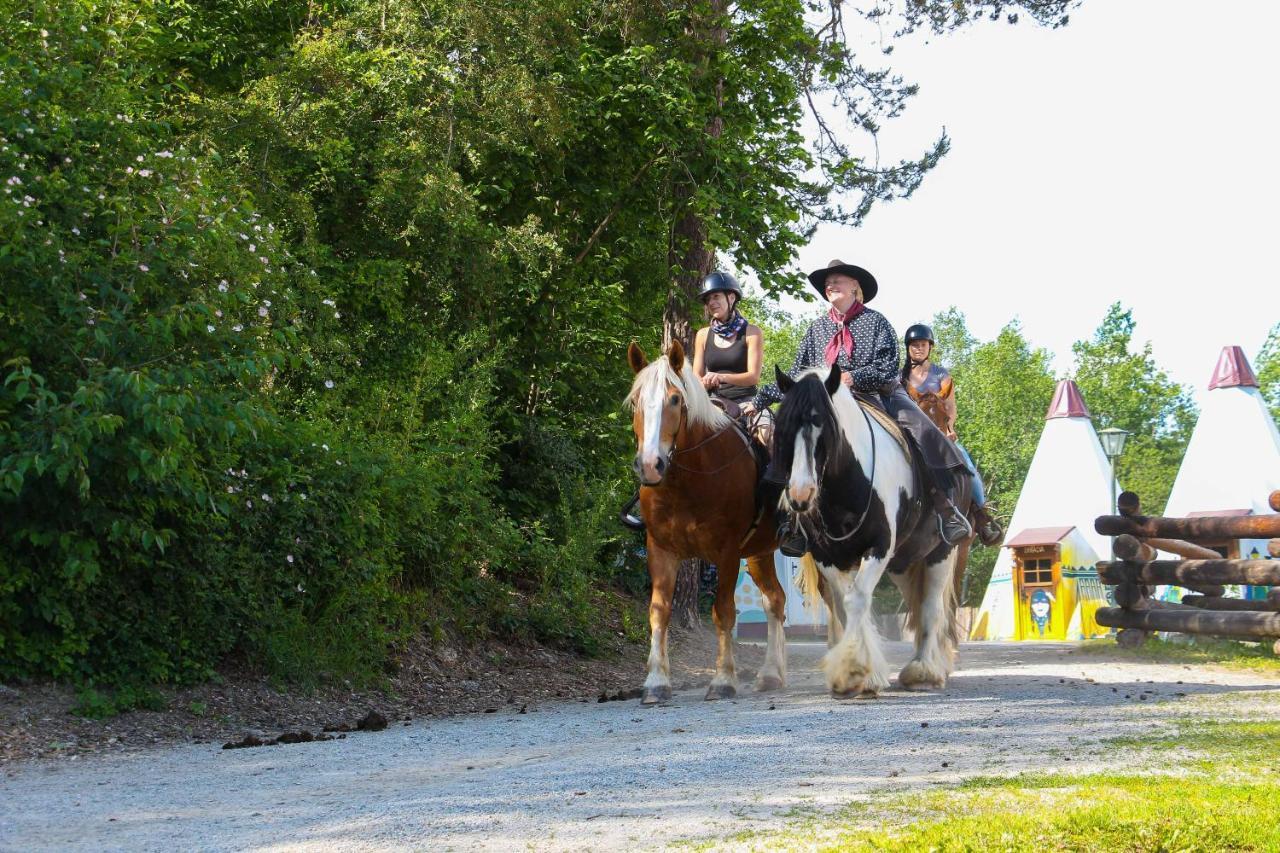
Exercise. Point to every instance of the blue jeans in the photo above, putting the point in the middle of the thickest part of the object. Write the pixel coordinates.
(979, 493)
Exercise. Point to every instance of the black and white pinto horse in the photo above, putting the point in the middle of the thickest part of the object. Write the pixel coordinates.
(864, 505)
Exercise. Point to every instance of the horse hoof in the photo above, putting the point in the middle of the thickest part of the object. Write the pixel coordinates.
(769, 682)
(914, 676)
(720, 691)
(654, 695)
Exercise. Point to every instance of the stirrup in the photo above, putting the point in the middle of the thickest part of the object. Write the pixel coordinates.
(631, 520)
(792, 543)
(958, 524)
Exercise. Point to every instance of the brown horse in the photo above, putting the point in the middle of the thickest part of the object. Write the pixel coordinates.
(697, 495)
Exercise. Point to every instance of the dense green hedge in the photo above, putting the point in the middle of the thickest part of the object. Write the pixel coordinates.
(198, 454)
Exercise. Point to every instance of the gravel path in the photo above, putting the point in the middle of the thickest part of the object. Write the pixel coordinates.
(589, 776)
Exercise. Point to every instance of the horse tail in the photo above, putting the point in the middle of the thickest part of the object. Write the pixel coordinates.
(810, 585)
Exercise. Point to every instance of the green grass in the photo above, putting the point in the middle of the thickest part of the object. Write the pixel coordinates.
(1204, 652)
(1206, 786)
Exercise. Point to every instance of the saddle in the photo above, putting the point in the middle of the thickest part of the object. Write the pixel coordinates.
(874, 406)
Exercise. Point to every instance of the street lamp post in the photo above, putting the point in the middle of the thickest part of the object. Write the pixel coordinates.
(1113, 440)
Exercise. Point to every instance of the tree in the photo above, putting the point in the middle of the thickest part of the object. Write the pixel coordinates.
(1269, 370)
(1126, 389)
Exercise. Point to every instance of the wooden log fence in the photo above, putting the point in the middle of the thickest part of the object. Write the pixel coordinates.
(1202, 570)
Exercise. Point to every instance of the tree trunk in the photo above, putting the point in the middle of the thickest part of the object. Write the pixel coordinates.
(692, 260)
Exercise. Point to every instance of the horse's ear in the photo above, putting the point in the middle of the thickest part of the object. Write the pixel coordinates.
(675, 355)
(948, 385)
(785, 382)
(912, 392)
(832, 382)
(636, 358)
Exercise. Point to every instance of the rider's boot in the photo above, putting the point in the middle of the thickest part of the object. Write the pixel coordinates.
(952, 525)
(630, 513)
(989, 530)
(792, 540)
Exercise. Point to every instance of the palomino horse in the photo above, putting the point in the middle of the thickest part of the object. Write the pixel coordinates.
(859, 495)
(697, 495)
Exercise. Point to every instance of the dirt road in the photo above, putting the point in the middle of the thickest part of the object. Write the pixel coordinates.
(610, 775)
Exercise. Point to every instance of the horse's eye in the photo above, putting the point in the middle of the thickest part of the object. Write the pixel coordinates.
(675, 399)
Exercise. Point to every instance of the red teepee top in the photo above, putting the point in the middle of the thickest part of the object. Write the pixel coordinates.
(1067, 402)
(1233, 370)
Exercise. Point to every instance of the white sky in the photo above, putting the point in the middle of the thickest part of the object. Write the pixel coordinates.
(1132, 155)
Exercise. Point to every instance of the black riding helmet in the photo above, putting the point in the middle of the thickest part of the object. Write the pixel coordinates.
(918, 332)
(720, 282)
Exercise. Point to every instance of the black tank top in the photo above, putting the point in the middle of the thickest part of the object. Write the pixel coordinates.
(730, 359)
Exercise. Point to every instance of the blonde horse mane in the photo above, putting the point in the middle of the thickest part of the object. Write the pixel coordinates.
(652, 382)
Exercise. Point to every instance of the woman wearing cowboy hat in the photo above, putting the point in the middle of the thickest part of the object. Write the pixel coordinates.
(727, 353)
(864, 346)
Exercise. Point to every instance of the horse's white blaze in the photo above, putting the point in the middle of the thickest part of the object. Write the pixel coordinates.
(653, 449)
(802, 488)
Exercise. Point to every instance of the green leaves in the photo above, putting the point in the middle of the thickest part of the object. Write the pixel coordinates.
(1124, 388)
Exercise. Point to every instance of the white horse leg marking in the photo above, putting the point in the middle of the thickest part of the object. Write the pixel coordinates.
(773, 673)
(856, 664)
(659, 669)
(935, 655)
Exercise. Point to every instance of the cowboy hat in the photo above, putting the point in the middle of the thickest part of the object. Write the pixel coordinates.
(867, 281)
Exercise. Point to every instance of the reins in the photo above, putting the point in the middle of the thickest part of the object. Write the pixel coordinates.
(684, 415)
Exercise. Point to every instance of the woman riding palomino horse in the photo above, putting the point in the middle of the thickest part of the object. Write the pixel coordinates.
(727, 353)
(727, 356)
(697, 475)
(931, 386)
(862, 344)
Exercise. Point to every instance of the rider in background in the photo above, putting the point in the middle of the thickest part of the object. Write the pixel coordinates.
(727, 353)
(863, 344)
(925, 376)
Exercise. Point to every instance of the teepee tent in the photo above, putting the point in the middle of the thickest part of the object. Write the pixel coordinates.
(1233, 459)
(1045, 584)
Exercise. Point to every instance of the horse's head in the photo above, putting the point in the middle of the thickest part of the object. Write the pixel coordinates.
(807, 436)
(934, 405)
(665, 398)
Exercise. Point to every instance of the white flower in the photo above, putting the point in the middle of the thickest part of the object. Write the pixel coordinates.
(328, 383)
(337, 316)
(300, 589)
(82, 296)
(252, 248)
(303, 496)
(230, 489)
(249, 504)
(139, 158)
(211, 329)
(326, 447)
(222, 285)
(266, 497)
(237, 328)
(266, 302)
(262, 312)
(75, 231)
(328, 302)
(217, 312)
(144, 267)
(289, 558)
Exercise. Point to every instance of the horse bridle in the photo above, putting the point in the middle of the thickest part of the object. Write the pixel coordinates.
(871, 486)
